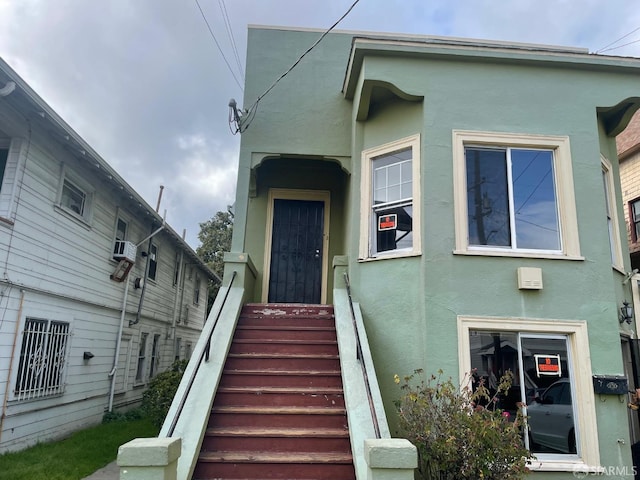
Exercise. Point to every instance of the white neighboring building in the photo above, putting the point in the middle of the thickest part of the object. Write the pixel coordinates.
(76, 244)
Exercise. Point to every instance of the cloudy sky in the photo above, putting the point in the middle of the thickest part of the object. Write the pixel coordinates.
(143, 82)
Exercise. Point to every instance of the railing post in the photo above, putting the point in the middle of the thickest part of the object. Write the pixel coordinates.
(390, 459)
(149, 459)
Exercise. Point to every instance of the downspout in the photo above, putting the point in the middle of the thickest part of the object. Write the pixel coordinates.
(146, 271)
(112, 374)
(176, 312)
(13, 351)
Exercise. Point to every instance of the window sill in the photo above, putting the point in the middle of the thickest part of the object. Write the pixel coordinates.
(515, 254)
(6, 221)
(619, 269)
(390, 256)
(73, 216)
(576, 466)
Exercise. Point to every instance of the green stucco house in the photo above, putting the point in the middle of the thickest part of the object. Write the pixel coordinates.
(469, 191)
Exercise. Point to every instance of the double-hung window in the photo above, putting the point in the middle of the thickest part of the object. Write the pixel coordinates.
(514, 195)
(142, 357)
(634, 216)
(153, 261)
(390, 224)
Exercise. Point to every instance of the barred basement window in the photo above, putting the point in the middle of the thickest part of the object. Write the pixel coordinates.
(42, 359)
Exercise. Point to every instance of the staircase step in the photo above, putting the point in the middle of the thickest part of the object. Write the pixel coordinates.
(281, 378)
(286, 321)
(261, 465)
(278, 417)
(272, 440)
(284, 361)
(277, 346)
(289, 333)
(278, 310)
(280, 396)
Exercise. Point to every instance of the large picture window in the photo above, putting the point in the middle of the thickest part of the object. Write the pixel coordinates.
(390, 196)
(514, 195)
(542, 387)
(552, 385)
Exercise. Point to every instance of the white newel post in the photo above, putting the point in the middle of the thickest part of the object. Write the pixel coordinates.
(149, 459)
(390, 459)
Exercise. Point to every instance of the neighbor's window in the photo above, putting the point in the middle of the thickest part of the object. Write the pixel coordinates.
(73, 198)
(142, 355)
(153, 261)
(634, 216)
(155, 355)
(42, 359)
(514, 195)
(552, 383)
(4, 155)
(390, 196)
(612, 217)
(75, 195)
(196, 290)
(178, 346)
(176, 270)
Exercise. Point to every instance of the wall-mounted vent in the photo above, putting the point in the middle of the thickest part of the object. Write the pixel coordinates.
(123, 250)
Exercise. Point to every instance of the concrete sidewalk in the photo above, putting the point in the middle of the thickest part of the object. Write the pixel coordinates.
(109, 472)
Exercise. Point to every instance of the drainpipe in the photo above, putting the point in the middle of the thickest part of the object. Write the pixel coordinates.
(176, 312)
(112, 374)
(13, 350)
(146, 270)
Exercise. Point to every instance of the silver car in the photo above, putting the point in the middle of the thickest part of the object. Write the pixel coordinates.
(550, 419)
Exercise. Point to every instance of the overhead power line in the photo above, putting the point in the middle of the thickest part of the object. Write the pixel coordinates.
(218, 45)
(606, 47)
(243, 122)
(227, 23)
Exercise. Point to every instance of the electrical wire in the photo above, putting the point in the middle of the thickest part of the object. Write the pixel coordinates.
(232, 40)
(620, 46)
(251, 110)
(606, 47)
(218, 45)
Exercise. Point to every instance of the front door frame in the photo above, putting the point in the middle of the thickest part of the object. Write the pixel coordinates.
(296, 194)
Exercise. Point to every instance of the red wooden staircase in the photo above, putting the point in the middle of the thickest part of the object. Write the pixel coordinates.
(279, 409)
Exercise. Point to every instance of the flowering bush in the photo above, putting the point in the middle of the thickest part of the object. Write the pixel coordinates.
(460, 432)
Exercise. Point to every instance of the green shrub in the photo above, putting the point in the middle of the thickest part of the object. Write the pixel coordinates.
(157, 399)
(118, 416)
(459, 432)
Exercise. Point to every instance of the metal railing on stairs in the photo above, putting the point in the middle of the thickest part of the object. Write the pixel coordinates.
(360, 357)
(202, 355)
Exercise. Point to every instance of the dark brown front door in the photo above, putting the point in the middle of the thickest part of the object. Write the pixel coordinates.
(295, 274)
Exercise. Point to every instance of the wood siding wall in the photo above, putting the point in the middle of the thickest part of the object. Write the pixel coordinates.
(57, 267)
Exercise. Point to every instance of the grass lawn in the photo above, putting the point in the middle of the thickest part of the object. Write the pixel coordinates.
(74, 458)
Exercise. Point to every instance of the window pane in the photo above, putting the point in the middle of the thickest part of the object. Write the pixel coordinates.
(4, 154)
(392, 215)
(153, 262)
(401, 235)
(121, 230)
(487, 197)
(534, 199)
(542, 383)
(72, 198)
(549, 397)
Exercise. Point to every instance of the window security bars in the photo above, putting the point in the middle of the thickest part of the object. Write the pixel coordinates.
(42, 359)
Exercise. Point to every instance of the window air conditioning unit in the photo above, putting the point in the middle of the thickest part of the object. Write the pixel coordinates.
(123, 250)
